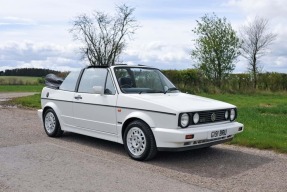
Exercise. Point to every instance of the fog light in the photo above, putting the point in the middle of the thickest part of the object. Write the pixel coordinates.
(189, 136)
(240, 128)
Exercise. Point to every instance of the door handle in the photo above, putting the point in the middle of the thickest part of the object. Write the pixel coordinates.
(78, 97)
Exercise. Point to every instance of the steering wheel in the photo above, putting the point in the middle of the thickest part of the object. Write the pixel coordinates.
(126, 86)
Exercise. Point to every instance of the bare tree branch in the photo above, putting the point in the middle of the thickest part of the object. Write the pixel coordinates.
(103, 36)
(256, 39)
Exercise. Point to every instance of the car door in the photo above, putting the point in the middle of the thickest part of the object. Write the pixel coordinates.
(64, 99)
(96, 112)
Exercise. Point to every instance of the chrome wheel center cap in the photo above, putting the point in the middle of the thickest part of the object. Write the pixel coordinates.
(136, 141)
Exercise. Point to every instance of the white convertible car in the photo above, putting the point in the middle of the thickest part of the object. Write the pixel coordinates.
(136, 106)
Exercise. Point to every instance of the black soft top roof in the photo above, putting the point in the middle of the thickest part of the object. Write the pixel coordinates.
(53, 81)
(117, 65)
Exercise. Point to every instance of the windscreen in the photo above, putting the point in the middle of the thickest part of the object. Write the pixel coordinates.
(143, 80)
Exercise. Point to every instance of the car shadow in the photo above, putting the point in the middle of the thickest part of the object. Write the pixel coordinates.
(94, 143)
(213, 162)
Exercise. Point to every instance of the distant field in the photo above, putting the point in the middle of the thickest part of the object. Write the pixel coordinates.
(19, 80)
(21, 88)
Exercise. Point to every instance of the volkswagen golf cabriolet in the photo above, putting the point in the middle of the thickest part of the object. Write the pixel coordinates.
(136, 106)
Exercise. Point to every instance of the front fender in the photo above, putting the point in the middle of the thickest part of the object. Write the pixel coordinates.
(143, 116)
(135, 115)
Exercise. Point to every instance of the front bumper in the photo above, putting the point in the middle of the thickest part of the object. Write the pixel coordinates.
(174, 139)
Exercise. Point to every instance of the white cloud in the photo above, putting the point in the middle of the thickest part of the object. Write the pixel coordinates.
(159, 54)
(161, 51)
(13, 21)
(39, 55)
(281, 62)
(162, 43)
(264, 8)
(276, 12)
(35, 33)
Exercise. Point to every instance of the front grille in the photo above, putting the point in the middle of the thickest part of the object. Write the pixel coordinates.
(208, 140)
(209, 116)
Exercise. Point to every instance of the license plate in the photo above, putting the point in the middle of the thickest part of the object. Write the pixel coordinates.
(219, 133)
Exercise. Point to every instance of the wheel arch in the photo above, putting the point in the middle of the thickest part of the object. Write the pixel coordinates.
(57, 132)
(45, 109)
(126, 123)
(136, 116)
(52, 106)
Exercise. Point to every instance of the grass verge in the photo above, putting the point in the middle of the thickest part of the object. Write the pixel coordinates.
(33, 101)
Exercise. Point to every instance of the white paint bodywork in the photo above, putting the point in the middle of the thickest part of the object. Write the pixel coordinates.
(103, 116)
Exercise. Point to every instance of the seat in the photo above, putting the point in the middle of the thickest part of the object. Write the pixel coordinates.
(125, 82)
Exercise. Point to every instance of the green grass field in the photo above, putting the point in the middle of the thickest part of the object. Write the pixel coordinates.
(18, 80)
(21, 88)
(20, 84)
(263, 115)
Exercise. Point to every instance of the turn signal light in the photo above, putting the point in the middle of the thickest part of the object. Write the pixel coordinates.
(189, 136)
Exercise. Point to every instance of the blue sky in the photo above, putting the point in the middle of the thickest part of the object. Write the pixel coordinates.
(35, 33)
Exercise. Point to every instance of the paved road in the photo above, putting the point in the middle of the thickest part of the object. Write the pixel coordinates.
(31, 161)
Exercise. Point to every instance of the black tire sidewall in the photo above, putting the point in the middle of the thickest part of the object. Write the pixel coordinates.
(141, 125)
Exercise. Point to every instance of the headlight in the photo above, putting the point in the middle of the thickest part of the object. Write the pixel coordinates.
(226, 114)
(195, 118)
(184, 120)
(232, 114)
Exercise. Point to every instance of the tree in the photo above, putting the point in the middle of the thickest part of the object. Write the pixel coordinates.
(216, 48)
(255, 40)
(104, 36)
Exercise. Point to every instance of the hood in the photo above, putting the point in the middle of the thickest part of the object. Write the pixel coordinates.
(182, 102)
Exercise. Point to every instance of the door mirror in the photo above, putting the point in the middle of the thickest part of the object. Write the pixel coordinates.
(98, 90)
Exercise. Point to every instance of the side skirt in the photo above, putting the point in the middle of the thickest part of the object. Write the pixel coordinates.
(91, 133)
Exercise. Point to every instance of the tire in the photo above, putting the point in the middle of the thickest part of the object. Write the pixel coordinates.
(139, 141)
(51, 124)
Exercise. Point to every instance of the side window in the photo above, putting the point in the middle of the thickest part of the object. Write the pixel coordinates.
(92, 77)
(70, 81)
(109, 89)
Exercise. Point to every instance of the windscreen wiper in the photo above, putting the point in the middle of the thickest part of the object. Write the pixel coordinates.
(171, 89)
(150, 91)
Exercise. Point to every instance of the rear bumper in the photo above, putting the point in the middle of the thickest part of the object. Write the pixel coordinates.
(40, 114)
(174, 139)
